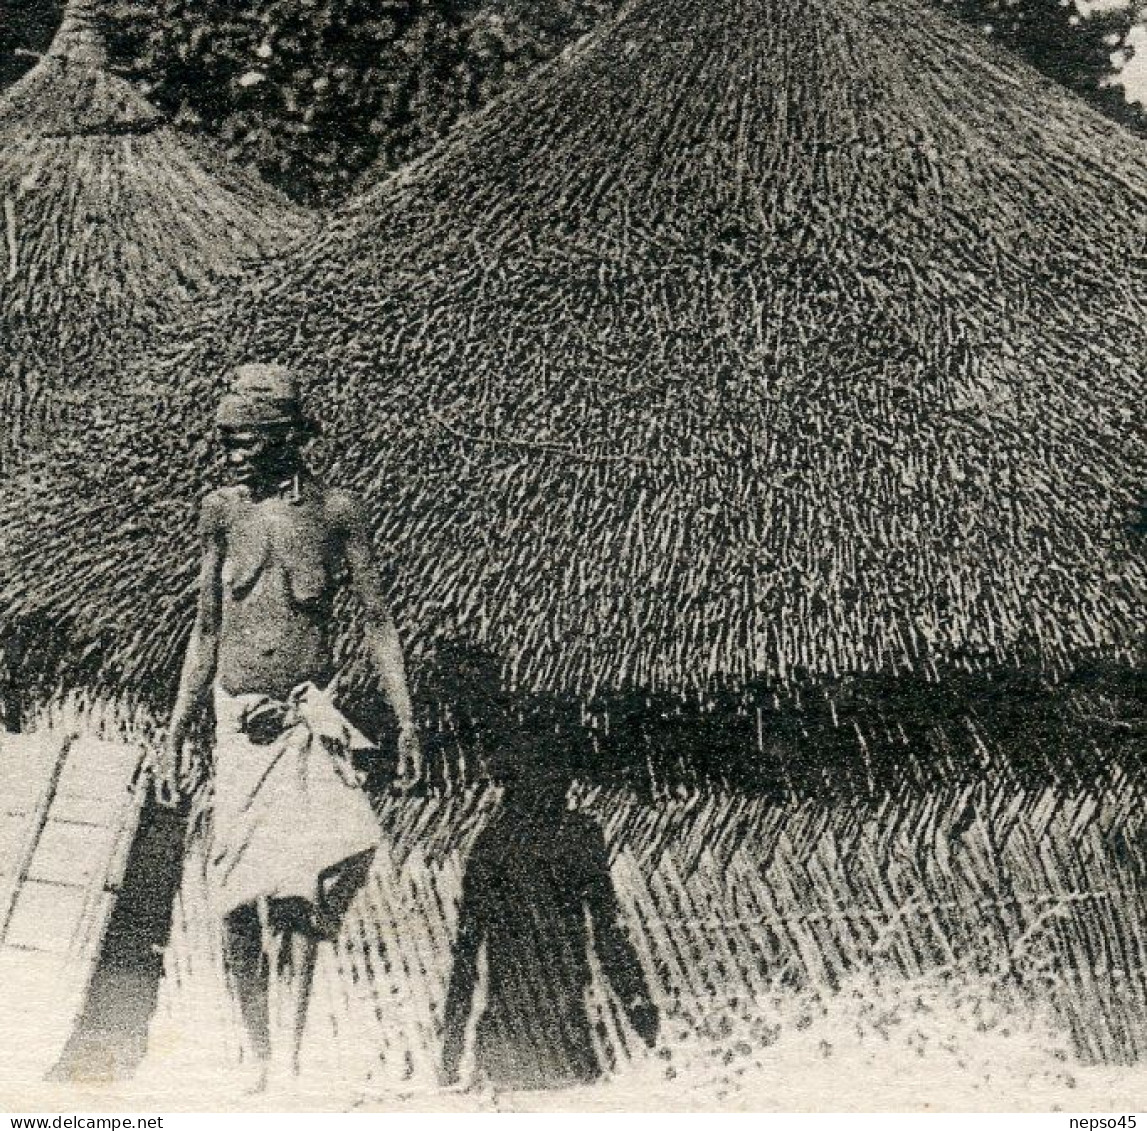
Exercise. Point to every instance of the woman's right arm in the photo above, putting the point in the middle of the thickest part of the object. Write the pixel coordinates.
(199, 663)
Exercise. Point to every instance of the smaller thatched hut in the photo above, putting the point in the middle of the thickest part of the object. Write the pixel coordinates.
(110, 221)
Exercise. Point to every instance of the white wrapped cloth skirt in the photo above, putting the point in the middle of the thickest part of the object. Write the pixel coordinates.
(288, 809)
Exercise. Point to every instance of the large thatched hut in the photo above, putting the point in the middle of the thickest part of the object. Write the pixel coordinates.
(111, 220)
(755, 353)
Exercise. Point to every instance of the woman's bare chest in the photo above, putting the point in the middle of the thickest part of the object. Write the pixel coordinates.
(280, 546)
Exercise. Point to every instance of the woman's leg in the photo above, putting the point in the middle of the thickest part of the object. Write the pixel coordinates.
(291, 947)
(245, 962)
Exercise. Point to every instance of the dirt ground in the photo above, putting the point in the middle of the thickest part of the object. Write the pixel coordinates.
(902, 1047)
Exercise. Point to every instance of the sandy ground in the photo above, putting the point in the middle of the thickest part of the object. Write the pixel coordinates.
(910, 1047)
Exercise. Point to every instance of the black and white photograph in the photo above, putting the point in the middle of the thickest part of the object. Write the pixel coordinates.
(573, 555)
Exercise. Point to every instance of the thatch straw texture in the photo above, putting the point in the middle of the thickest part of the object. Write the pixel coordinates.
(754, 339)
(110, 219)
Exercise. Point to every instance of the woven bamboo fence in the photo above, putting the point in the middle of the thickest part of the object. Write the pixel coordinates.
(1030, 894)
(733, 904)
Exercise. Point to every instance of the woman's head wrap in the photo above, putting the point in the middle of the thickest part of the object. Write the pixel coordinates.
(260, 395)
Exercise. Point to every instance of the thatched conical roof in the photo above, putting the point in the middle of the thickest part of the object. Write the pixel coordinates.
(110, 219)
(760, 338)
(71, 92)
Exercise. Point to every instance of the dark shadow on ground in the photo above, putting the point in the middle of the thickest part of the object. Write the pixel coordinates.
(537, 897)
(109, 1038)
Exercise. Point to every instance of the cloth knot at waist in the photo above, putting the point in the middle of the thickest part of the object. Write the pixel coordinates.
(264, 719)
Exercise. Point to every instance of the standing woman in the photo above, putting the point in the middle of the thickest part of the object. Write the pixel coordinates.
(289, 819)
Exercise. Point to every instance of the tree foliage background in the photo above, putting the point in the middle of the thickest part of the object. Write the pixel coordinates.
(314, 92)
(1081, 51)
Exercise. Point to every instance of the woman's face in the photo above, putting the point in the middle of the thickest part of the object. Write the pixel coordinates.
(263, 455)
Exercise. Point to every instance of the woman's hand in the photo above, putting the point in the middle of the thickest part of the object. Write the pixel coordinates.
(409, 770)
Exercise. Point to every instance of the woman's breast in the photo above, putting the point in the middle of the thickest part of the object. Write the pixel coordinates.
(281, 561)
(309, 559)
(309, 581)
(245, 565)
